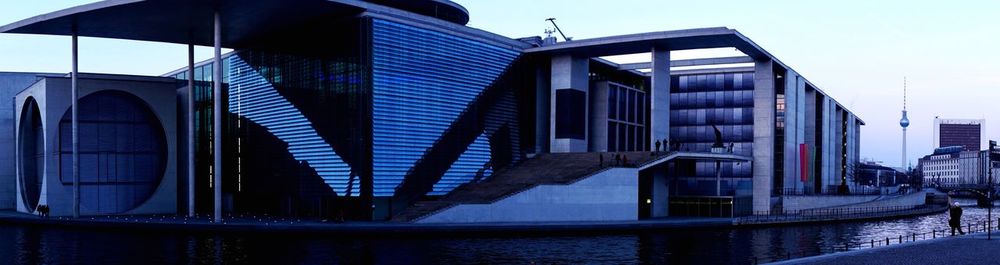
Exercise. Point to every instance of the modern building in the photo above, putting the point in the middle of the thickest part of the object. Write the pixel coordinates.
(876, 175)
(406, 104)
(128, 145)
(952, 165)
(967, 133)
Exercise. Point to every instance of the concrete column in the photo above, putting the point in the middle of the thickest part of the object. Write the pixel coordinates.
(718, 178)
(190, 131)
(763, 134)
(598, 135)
(570, 78)
(659, 97)
(838, 145)
(660, 194)
(829, 146)
(76, 136)
(810, 110)
(790, 144)
(217, 117)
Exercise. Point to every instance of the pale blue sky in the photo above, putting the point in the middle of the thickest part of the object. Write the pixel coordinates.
(857, 51)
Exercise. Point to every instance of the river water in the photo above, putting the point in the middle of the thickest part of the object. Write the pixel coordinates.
(45, 245)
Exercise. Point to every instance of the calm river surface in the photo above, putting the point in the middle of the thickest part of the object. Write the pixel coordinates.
(41, 245)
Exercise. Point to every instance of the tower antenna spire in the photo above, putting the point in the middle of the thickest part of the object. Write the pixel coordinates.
(904, 122)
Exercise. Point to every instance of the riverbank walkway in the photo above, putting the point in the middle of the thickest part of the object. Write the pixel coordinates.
(286, 224)
(968, 249)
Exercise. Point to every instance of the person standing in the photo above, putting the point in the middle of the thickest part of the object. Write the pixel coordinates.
(600, 157)
(956, 218)
(657, 146)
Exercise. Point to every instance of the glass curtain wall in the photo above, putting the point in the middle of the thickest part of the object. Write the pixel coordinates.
(699, 102)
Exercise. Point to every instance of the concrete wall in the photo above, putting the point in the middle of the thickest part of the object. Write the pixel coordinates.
(611, 195)
(763, 135)
(10, 85)
(795, 203)
(53, 97)
(913, 199)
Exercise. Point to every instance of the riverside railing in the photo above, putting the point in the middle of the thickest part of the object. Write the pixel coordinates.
(863, 190)
(975, 227)
(829, 214)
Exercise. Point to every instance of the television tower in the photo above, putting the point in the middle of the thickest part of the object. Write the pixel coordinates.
(904, 122)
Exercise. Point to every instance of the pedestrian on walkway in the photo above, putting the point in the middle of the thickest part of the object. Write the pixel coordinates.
(956, 218)
(618, 159)
(657, 146)
(600, 157)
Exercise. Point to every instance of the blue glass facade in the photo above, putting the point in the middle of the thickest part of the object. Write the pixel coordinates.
(699, 102)
(252, 97)
(422, 82)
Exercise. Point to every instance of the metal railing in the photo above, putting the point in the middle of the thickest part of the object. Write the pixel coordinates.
(831, 191)
(827, 214)
(976, 227)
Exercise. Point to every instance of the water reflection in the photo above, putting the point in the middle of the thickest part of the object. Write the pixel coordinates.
(46, 245)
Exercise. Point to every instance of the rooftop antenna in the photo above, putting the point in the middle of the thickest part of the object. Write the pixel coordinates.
(548, 33)
(904, 122)
(553, 20)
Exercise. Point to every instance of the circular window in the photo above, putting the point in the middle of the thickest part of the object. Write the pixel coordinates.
(123, 152)
(32, 152)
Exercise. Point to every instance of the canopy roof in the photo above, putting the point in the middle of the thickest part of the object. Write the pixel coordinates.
(191, 21)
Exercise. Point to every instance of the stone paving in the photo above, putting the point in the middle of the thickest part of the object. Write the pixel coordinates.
(968, 249)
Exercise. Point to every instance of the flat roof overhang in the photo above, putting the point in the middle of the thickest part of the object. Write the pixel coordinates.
(688, 39)
(191, 21)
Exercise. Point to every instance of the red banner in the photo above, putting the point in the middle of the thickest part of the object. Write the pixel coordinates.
(804, 162)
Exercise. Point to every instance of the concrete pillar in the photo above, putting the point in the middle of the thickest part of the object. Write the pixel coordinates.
(190, 131)
(660, 194)
(570, 84)
(810, 111)
(763, 134)
(829, 147)
(791, 142)
(659, 97)
(217, 117)
(75, 123)
(598, 135)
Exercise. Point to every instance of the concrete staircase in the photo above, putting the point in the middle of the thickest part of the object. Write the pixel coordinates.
(564, 168)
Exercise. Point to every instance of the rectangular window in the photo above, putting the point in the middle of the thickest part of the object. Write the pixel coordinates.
(570, 113)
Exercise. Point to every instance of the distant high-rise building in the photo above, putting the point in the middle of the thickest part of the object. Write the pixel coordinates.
(966, 133)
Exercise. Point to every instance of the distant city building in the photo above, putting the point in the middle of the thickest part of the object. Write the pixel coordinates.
(877, 175)
(952, 165)
(967, 133)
